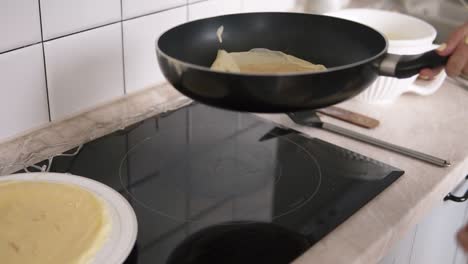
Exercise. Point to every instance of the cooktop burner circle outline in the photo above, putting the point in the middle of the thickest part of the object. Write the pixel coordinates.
(298, 205)
(243, 174)
(294, 206)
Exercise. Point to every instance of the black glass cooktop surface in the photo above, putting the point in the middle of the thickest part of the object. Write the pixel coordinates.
(206, 189)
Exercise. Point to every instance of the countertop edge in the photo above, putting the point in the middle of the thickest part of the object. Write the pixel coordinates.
(62, 135)
(354, 247)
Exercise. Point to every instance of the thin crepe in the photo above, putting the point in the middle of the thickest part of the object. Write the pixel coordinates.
(262, 61)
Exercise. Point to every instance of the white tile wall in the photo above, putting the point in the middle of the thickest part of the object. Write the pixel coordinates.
(60, 17)
(85, 49)
(141, 66)
(84, 70)
(133, 8)
(269, 5)
(23, 103)
(19, 23)
(214, 8)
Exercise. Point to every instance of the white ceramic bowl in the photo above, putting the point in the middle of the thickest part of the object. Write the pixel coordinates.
(406, 36)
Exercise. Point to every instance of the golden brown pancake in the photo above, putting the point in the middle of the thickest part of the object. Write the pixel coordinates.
(50, 223)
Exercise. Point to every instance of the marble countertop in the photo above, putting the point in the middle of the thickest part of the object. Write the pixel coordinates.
(436, 125)
(60, 136)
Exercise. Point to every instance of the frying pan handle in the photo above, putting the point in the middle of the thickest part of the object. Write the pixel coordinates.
(405, 66)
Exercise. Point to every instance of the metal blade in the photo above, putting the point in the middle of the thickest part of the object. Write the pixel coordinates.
(277, 132)
(306, 118)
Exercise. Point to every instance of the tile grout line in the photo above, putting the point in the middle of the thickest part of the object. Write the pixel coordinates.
(115, 22)
(158, 11)
(96, 27)
(123, 49)
(22, 47)
(44, 61)
(82, 31)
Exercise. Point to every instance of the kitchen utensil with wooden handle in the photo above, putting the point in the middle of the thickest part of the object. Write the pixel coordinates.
(349, 116)
(311, 119)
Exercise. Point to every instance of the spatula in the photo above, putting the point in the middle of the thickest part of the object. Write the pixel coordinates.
(310, 119)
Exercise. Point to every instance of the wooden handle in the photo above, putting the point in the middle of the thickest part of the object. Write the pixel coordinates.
(350, 117)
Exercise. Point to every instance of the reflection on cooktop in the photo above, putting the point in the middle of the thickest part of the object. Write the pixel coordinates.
(199, 167)
(240, 242)
(239, 169)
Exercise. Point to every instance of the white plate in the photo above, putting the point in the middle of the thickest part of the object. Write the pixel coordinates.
(124, 227)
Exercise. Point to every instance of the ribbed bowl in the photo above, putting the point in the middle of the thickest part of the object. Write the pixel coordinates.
(385, 90)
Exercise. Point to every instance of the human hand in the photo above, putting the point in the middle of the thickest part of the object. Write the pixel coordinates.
(462, 238)
(457, 48)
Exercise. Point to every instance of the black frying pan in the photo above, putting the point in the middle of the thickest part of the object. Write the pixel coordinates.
(353, 53)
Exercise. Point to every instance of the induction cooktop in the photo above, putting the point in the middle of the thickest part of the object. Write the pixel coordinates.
(206, 188)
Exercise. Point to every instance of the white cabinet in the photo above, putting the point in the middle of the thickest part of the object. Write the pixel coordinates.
(433, 241)
(460, 256)
(401, 253)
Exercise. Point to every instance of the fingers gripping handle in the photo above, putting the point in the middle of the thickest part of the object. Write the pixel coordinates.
(427, 87)
(405, 66)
